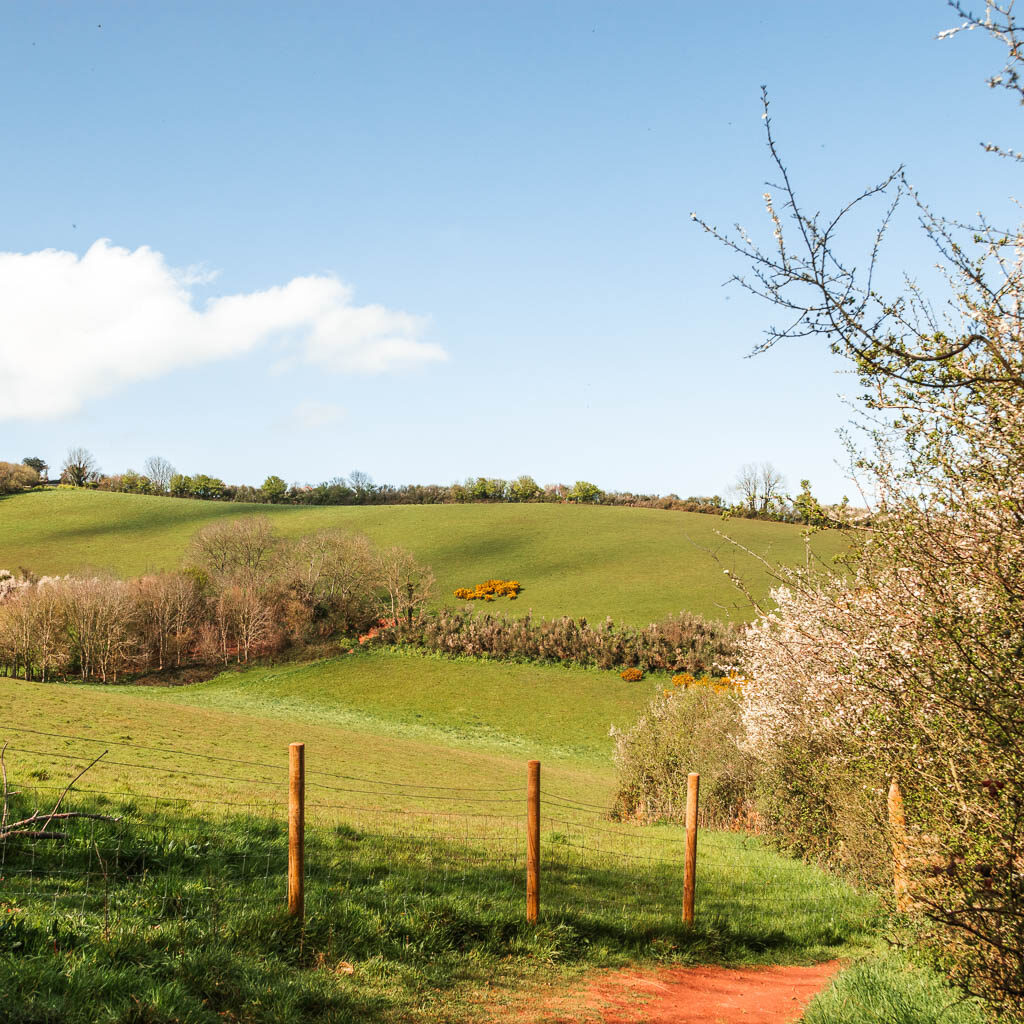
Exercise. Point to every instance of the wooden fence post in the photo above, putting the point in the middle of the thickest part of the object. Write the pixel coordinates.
(690, 873)
(898, 835)
(532, 841)
(296, 828)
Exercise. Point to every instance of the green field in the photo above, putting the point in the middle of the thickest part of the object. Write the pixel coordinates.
(414, 801)
(415, 798)
(400, 716)
(636, 565)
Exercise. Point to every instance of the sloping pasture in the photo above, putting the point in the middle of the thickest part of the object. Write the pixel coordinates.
(415, 847)
(635, 565)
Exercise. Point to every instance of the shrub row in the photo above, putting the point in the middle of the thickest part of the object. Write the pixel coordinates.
(680, 643)
(245, 592)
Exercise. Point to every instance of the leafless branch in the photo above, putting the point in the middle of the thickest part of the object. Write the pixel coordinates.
(24, 826)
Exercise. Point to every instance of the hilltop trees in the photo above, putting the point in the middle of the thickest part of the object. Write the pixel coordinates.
(16, 477)
(79, 468)
(159, 471)
(39, 465)
(523, 488)
(760, 487)
(209, 488)
(746, 485)
(362, 486)
(584, 493)
(761, 496)
(274, 489)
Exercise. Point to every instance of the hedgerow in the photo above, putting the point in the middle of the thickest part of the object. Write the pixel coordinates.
(680, 643)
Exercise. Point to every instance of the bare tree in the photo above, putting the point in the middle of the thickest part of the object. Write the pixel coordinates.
(49, 636)
(159, 471)
(405, 585)
(362, 484)
(100, 620)
(747, 485)
(252, 619)
(772, 485)
(188, 614)
(241, 549)
(79, 467)
(17, 635)
(168, 606)
(244, 622)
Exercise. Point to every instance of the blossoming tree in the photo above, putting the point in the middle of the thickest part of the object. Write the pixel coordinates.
(907, 658)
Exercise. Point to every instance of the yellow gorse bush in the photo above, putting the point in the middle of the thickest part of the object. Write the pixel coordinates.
(632, 675)
(489, 590)
(731, 683)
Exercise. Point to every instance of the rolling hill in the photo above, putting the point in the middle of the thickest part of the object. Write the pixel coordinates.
(635, 565)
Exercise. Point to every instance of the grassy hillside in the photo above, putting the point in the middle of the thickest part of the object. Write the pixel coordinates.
(380, 713)
(414, 854)
(547, 712)
(636, 565)
(415, 804)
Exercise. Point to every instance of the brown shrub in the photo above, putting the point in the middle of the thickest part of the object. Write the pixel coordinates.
(680, 643)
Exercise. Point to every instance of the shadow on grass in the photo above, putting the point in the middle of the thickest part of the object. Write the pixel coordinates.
(183, 917)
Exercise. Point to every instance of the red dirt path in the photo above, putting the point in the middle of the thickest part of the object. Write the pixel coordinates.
(691, 995)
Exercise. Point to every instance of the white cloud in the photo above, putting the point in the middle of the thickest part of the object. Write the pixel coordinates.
(77, 328)
(317, 415)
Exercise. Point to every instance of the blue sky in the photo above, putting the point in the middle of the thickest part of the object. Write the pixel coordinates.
(458, 234)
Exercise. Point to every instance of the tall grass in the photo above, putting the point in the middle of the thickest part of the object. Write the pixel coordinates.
(891, 990)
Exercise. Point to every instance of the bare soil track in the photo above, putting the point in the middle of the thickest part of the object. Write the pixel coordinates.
(686, 995)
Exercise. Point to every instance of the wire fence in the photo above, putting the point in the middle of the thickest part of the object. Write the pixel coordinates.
(97, 846)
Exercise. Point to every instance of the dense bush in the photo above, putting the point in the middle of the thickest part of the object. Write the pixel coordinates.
(679, 643)
(686, 729)
(819, 802)
(16, 477)
(808, 799)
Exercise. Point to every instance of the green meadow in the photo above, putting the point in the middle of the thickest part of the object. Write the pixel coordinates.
(174, 910)
(415, 816)
(636, 565)
(382, 713)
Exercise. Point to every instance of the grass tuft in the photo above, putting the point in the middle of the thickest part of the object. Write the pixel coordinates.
(891, 989)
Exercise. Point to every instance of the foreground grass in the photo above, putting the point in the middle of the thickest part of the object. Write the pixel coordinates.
(180, 917)
(636, 565)
(415, 782)
(415, 848)
(891, 989)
